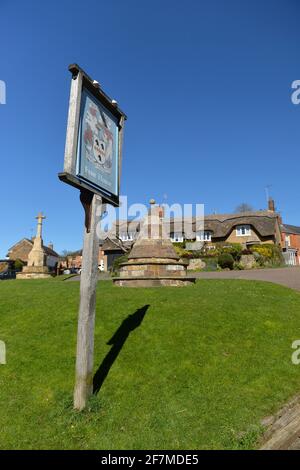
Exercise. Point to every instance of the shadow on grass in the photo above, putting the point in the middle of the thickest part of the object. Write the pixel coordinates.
(118, 340)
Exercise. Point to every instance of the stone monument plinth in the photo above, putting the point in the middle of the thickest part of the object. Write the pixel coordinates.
(36, 266)
(153, 260)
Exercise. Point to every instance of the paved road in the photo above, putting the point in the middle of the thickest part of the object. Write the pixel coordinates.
(101, 276)
(289, 277)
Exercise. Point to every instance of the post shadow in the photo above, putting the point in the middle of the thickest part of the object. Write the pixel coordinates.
(117, 341)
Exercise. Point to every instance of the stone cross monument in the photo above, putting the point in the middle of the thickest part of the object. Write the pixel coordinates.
(36, 266)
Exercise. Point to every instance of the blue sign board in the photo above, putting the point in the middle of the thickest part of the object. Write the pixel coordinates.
(97, 151)
(94, 139)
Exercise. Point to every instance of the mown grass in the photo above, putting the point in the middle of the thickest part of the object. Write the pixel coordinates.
(204, 366)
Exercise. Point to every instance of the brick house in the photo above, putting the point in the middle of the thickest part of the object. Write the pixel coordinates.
(290, 242)
(74, 260)
(22, 249)
(109, 250)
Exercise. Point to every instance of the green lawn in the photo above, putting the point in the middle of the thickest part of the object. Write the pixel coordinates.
(199, 368)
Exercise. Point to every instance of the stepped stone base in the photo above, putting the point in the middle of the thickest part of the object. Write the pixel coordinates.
(34, 272)
(153, 272)
(153, 282)
(153, 261)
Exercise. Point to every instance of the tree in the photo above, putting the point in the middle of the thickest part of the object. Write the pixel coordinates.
(66, 253)
(18, 265)
(243, 207)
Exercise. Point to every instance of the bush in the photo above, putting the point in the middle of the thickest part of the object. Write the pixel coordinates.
(238, 266)
(118, 261)
(18, 265)
(179, 244)
(246, 251)
(225, 260)
(182, 252)
(267, 254)
(234, 249)
(210, 264)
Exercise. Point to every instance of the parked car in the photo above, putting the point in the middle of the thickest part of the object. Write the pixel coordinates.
(7, 275)
(101, 265)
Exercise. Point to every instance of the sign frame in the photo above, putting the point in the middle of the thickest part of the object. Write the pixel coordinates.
(80, 82)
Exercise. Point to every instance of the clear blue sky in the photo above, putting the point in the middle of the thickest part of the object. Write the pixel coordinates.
(205, 85)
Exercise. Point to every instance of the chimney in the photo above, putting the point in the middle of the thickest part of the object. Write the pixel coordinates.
(271, 205)
(50, 245)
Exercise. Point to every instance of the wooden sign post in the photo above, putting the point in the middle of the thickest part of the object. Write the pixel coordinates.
(86, 318)
(93, 165)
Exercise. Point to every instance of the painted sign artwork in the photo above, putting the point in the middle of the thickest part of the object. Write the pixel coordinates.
(97, 156)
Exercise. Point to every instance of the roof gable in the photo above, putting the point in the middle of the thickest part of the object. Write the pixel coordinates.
(24, 240)
(112, 245)
(293, 229)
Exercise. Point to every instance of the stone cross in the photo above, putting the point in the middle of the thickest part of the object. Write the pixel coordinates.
(40, 218)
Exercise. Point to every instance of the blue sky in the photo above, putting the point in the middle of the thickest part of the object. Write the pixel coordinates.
(206, 86)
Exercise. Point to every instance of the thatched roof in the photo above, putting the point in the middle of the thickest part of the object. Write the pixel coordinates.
(263, 222)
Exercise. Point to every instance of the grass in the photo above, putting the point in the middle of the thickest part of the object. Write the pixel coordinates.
(203, 367)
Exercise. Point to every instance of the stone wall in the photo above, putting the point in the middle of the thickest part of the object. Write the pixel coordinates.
(196, 263)
(247, 261)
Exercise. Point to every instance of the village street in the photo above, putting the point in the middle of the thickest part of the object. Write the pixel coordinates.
(289, 277)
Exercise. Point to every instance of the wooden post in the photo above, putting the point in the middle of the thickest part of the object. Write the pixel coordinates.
(88, 283)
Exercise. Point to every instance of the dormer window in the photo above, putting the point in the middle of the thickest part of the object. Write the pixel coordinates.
(176, 237)
(124, 236)
(203, 236)
(243, 230)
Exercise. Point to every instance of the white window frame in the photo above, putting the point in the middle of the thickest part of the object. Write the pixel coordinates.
(176, 237)
(122, 236)
(131, 236)
(127, 236)
(246, 228)
(203, 236)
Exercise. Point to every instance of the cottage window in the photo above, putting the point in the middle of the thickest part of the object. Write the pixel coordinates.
(131, 235)
(176, 237)
(243, 230)
(203, 236)
(127, 236)
(123, 236)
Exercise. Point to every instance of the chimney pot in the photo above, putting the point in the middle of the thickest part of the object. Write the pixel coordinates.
(271, 205)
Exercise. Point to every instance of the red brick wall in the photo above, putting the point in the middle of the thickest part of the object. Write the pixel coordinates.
(294, 243)
(294, 240)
